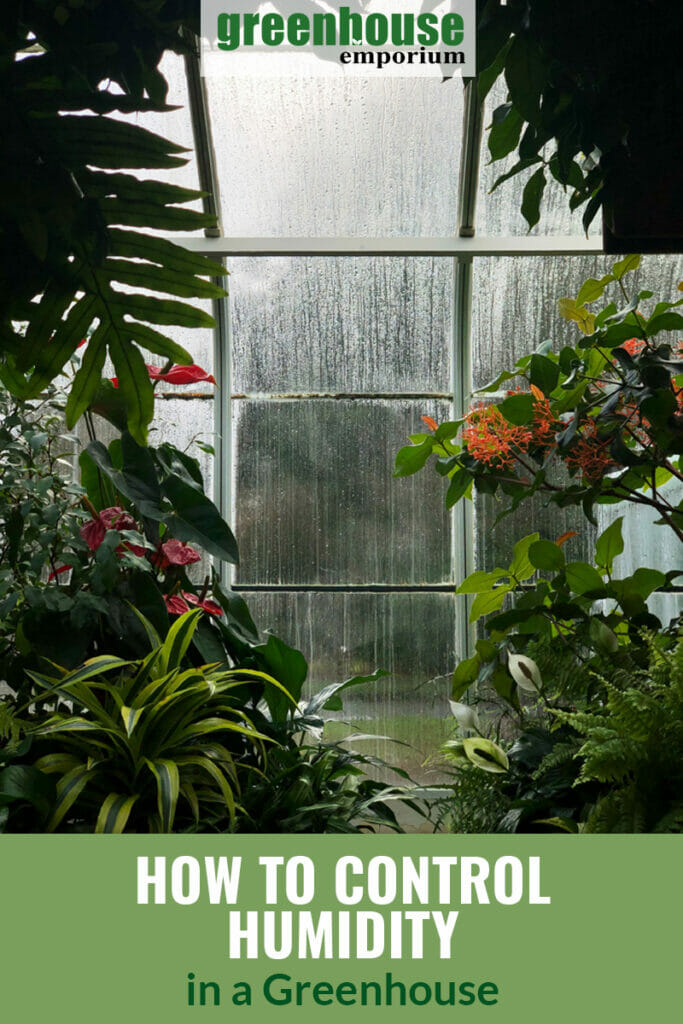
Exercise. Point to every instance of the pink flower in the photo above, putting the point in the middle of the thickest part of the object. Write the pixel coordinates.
(113, 518)
(93, 533)
(175, 605)
(176, 375)
(208, 606)
(175, 552)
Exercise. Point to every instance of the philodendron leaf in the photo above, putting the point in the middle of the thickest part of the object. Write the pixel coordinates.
(485, 754)
(195, 519)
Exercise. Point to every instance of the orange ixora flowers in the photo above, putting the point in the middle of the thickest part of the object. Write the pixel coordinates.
(590, 454)
(491, 439)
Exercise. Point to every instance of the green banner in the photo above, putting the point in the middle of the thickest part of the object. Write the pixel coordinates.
(182, 928)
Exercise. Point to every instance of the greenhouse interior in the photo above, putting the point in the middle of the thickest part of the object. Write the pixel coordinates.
(400, 424)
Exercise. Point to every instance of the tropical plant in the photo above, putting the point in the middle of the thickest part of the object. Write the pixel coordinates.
(71, 258)
(126, 748)
(311, 785)
(572, 113)
(600, 422)
(632, 744)
(76, 558)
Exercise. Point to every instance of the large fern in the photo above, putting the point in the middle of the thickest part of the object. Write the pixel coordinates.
(70, 205)
(633, 745)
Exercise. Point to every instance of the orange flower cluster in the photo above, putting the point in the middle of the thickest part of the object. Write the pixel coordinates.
(590, 454)
(491, 439)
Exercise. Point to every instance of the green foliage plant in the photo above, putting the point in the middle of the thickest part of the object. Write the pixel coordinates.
(76, 256)
(147, 745)
(573, 113)
(599, 421)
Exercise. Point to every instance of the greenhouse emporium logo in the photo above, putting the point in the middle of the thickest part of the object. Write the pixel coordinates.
(356, 38)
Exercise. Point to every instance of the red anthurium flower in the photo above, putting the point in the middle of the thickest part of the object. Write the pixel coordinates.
(176, 375)
(93, 533)
(208, 606)
(113, 518)
(175, 604)
(174, 552)
(186, 375)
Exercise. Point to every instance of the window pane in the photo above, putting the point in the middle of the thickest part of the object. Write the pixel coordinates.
(341, 324)
(514, 302)
(409, 635)
(323, 157)
(316, 502)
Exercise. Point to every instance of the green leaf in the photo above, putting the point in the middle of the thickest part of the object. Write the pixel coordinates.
(458, 487)
(521, 567)
(135, 385)
(531, 197)
(518, 409)
(486, 603)
(178, 640)
(664, 322)
(608, 545)
(543, 373)
(114, 813)
(526, 76)
(87, 379)
(504, 133)
(583, 578)
(546, 555)
(167, 778)
(69, 788)
(479, 582)
(26, 782)
(464, 675)
(592, 289)
(625, 266)
(412, 457)
(195, 519)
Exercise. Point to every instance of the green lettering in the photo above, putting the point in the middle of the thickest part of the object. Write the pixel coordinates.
(429, 33)
(272, 29)
(228, 31)
(487, 989)
(452, 29)
(298, 29)
(283, 997)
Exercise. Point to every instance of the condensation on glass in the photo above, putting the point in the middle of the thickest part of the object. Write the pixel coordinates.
(316, 503)
(348, 324)
(323, 157)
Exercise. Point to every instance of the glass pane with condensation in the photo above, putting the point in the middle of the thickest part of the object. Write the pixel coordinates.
(322, 157)
(514, 302)
(315, 500)
(349, 324)
(498, 213)
(342, 635)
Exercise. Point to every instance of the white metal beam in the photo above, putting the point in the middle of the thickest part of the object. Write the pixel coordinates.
(458, 247)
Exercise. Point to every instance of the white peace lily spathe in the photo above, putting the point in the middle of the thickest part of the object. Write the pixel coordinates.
(465, 716)
(525, 672)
